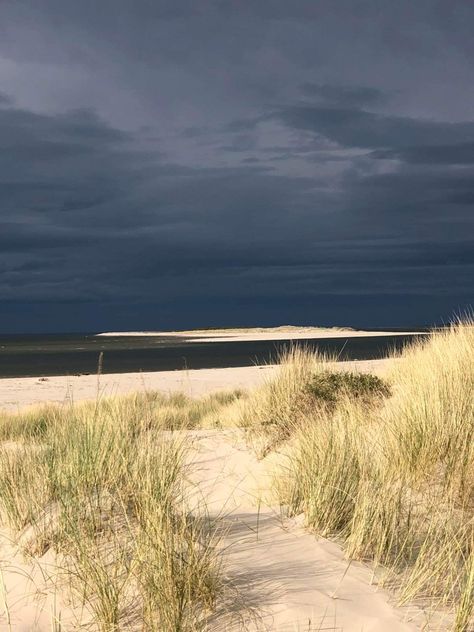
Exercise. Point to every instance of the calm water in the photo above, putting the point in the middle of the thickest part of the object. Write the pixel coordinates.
(43, 355)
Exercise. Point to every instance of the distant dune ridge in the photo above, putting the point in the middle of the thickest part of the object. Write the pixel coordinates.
(239, 330)
(283, 332)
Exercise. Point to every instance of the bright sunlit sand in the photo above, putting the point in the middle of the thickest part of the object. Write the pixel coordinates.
(18, 392)
(284, 332)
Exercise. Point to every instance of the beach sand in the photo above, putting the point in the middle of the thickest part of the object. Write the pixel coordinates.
(283, 578)
(16, 393)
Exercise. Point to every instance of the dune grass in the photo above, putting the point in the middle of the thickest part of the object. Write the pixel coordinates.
(174, 411)
(271, 412)
(385, 467)
(102, 484)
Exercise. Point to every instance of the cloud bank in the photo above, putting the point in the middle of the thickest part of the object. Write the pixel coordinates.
(173, 164)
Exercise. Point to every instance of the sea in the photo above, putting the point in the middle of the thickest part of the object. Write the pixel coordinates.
(79, 354)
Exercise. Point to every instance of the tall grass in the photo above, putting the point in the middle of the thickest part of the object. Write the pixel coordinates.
(272, 412)
(102, 484)
(153, 409)
(392, 478)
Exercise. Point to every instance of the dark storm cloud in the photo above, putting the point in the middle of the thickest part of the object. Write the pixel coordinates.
(345, 95)
(462, 153)
(5, 100)
(352, 127)
(90, 194)
(234, 159)
(57, 166)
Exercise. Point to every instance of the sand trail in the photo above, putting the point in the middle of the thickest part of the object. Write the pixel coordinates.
(281, 577)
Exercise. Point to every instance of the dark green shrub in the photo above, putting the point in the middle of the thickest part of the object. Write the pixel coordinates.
(327, 387)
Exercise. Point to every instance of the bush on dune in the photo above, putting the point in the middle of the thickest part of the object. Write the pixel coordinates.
(306, 384)
(329, 387)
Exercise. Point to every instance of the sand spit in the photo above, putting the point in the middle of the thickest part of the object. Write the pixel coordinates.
(16, 393)
(286, 332)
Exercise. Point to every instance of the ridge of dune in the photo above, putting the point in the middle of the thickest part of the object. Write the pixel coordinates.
(228, 331)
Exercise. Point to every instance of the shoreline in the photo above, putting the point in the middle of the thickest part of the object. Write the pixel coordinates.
(17, 393)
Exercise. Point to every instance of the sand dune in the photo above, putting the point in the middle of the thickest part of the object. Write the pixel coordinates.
(30, 596)
(278, 576)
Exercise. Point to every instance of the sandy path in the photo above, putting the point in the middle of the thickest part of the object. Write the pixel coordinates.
(278, 577)
(16, 393)
(292, 580)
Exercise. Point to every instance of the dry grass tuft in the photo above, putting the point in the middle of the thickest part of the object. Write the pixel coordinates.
(272, 412)
(306, 384)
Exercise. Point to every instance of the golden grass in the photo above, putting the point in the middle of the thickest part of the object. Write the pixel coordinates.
(271, 412)
(153, 409)
(102, 485)
(391, 478)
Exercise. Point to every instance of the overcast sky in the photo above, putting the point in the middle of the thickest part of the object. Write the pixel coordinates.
(180, 163)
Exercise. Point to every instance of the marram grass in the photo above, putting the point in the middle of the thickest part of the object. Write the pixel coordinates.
(102, 484)
(392, 477)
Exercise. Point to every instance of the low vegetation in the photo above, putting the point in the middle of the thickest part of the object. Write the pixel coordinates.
(102, 485)
(151, 409)
(306, 385)
(385, 468)
(272, 412)
(328, 387)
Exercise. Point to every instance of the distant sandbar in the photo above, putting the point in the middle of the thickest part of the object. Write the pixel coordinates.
(284, 332)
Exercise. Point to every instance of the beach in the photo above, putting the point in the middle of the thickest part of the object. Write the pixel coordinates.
(16, 393)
